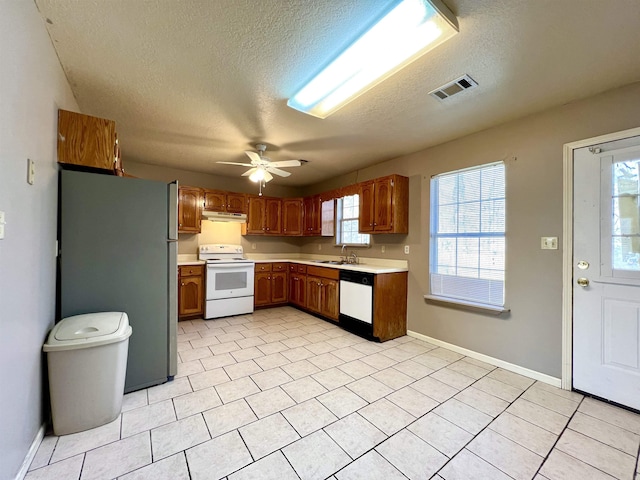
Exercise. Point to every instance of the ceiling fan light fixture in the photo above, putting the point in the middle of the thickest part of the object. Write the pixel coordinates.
(258, 175)
(406, 32)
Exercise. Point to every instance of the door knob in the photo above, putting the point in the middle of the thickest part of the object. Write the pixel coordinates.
(583, 282)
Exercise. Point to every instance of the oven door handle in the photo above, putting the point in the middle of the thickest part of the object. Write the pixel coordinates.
(237, 266)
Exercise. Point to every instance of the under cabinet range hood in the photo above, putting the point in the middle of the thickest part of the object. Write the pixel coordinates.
(224, 216)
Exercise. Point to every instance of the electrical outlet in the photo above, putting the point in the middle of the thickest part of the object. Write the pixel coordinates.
(253, 246)
(406, 249)
(549, 243)
(319, 246)
(382, 249)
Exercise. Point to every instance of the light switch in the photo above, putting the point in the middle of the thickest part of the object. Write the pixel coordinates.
(549, 243)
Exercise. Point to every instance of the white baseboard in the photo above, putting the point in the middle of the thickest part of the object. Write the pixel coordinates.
(556, 382)
(33, 449)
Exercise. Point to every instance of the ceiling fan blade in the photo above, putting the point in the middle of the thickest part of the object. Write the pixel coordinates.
(249, 172)
(286, 163)
(267, 177)
(253, 156)
(277, 171)
(235, 163)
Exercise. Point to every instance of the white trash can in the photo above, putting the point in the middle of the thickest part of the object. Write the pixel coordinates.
(87, 357)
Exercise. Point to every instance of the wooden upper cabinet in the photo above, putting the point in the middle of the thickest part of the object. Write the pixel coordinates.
(312, 220)
(366, 213)
(87, 141)
(189, 209)
(215, 201)
(292, 216)
(220, 201)
(236, 203)
(383, 215)
(384, 205)
(256, 215)
(273, 220)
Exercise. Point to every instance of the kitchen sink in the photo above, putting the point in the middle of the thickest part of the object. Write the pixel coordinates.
(331, 262)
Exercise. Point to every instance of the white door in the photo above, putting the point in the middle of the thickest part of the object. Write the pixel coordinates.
(606, 271)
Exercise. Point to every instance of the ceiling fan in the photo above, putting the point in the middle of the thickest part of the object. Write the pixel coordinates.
(262, 168)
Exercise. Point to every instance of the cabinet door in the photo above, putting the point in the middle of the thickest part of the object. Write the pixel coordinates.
(297, 287)
(85, 140)
(313, 294)
(189, 209)
(190, 297)
(256, 215)
(312, 215)
(279, 290)
(214, 201)
(292, 216)
(330, 300)
(236, 203)
(366, 214)
(383, 201)
(262, 290)
(273, 216)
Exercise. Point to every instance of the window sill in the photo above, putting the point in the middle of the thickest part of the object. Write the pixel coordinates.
(481, 307)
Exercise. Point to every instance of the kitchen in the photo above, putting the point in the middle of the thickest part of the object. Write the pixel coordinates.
(531, 142)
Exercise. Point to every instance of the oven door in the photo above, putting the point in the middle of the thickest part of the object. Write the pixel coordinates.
(229, 280)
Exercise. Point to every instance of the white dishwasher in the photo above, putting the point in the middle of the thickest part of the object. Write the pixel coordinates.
(356, 302)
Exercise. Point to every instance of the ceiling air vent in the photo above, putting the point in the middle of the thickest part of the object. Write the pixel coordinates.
(458, 85)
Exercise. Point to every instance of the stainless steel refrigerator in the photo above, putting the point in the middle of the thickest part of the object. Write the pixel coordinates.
(118, 252)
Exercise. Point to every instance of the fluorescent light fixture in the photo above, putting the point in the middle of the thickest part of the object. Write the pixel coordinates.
(410, 29)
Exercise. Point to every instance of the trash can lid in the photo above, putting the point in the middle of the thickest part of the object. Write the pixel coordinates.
(88, 330)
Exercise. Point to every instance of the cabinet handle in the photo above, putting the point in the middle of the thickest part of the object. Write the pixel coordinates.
(182, 283)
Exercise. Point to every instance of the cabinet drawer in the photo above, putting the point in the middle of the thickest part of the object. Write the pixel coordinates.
(279, 267)
(332, 273)
(191, 270)
(297, 268)
(263, 267)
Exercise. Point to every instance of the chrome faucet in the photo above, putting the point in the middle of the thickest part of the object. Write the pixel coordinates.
(353, 258)
(343, 257)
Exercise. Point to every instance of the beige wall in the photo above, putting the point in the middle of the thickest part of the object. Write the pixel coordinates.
(33, 87)
(530, 336)
(230, 233)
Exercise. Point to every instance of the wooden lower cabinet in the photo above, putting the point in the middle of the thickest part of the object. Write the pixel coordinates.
(190, 291)
(270, 284)
(298, 285)
(390, 305)
(323, 292)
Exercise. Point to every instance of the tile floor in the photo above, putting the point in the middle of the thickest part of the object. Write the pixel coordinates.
(281, 395)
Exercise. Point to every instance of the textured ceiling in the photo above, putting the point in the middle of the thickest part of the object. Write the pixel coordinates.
(193, 82)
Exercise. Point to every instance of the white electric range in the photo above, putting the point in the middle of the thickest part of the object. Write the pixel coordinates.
(229, 278)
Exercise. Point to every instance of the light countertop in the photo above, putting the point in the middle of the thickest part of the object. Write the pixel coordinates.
(189, 259)
(368, 265)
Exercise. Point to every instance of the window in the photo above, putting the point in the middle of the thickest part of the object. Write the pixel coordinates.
(347, 222)
(468, 235)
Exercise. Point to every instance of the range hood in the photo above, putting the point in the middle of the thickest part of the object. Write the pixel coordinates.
(224, 217)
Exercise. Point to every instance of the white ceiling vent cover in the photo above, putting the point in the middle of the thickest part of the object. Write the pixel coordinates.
(458, 85)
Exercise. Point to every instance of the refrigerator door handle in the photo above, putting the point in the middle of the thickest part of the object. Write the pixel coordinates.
(173, 211)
